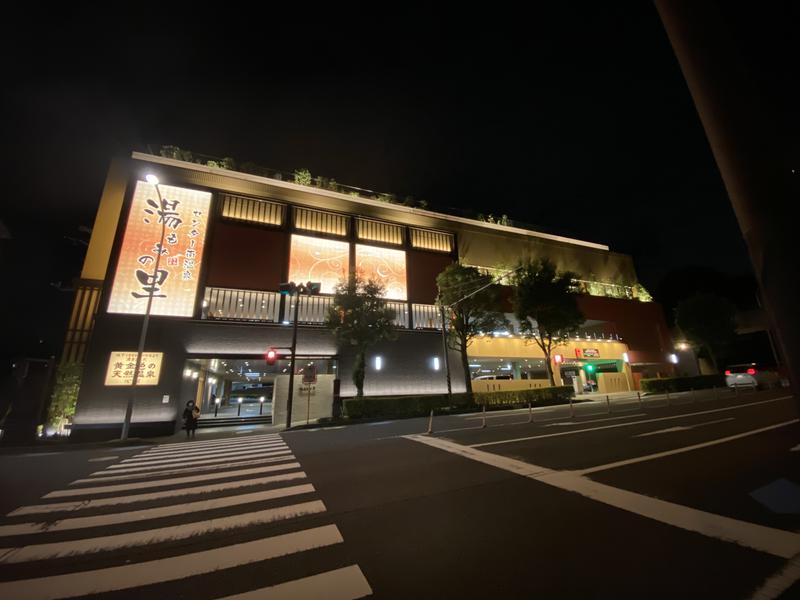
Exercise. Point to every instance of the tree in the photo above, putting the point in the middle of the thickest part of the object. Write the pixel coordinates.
(469, 316)
(359, 318)
(65, 395)
(708, 321)
(546, 305)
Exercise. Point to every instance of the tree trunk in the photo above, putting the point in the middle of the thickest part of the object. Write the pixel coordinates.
(465, 365)
(549, 368)
(358, 374)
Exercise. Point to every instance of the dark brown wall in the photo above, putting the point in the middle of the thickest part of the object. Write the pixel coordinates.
(246, 257)
(422, 269)
(641, 325)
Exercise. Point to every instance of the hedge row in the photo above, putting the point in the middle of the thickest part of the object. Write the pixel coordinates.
(683, 384)
(399, 407)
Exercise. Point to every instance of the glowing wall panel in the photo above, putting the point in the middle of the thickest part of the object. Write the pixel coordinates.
(174, 286)
(317, 259)
(385, 265)
(122, 364)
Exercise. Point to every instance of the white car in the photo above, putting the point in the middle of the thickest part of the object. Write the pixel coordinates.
(739, 376)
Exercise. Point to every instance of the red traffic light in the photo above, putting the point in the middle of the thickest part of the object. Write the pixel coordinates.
(272, 356)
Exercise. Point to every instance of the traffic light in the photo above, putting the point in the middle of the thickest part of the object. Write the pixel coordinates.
(588, 368)
(272, 356)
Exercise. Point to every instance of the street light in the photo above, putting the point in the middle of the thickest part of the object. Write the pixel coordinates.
(311, 288)
(126, 424)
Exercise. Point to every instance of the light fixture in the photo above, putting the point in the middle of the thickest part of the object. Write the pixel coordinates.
(435, 363)
(625, 357)
(673, 358)
(152, 179)
(378, 363)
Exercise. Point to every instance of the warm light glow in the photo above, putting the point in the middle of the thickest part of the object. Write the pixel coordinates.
(151, 179)
(751, 371)
(625, 357)
(174, 287)
(317, 259)
(558, 358)
(385, 265)
(122, 364)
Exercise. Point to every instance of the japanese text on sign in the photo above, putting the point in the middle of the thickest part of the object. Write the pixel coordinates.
(121, 366)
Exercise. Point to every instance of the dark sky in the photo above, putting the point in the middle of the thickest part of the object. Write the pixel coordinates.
(575, 119)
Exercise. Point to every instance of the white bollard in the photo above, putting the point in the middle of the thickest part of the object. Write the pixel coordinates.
(530, 413)
(639, 396)
(430, 423)
(571, 409)
(483, 422)
(608, 403)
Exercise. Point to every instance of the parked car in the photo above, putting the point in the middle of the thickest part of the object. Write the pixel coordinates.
(749, 375)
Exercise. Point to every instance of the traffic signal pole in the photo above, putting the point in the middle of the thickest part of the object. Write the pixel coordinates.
(290, 396)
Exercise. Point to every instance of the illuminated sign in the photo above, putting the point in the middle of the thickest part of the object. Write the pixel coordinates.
(591, 352)
(384, 265)
(122, 364)
(317, 259)
(184, 214)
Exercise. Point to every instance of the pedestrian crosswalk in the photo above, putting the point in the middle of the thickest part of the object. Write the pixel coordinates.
(185, 512)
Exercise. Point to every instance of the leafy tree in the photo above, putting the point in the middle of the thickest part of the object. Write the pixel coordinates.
(302, 177)
(546, 305)
(359, 318)
(65, 394)
(471, 313)
(708, 321)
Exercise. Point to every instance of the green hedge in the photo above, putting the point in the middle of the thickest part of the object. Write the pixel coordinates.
(399, 407)
(683, 384)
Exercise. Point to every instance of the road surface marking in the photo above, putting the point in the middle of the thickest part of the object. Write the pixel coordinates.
(98, 475)
(141, 458)
(563, 423)
(576, 431)
(777, 542)
(233, 444)
(154, 513)
(155, 536)
(244, 432)
(347, 583)
(103, 458)
(202, 458)
(639, 459)
(780, 582)
(160, 570)
(220, 440)
(683, 427)
(111, 470)
(124, 487)
(795, 449)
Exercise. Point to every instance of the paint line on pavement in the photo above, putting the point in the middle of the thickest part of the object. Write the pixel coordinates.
(232, 444)
(74, 505)
(224, 440)
(151, 572)
(638, 459)
(155, 536)
(347, 583)
(156, 513)
(97, 477)
(656, 420)
(777, 542)
(145, 459)
(776, 585)
(564, 423)
(200, 457)
(128, 469)
(684, 427)
(103, 458)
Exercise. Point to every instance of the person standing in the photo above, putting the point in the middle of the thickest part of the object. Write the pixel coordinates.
(191, 414)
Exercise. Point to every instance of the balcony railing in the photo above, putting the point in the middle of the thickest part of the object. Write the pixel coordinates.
(241, 305)
(426, 316)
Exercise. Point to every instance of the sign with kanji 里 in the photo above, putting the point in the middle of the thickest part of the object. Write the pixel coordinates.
(121, 366)
(183, 215)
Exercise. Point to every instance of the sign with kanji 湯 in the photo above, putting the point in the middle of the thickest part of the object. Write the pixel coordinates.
(121, 366)
(172, 278)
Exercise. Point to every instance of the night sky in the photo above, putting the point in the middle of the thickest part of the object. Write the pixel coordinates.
(576, 120)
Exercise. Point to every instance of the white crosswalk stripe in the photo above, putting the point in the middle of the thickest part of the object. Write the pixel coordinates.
(165, 498)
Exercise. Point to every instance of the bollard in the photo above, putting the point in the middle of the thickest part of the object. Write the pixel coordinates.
(571, 409)
(430, 423)
(639, 396)
(608, 403)
(483, 422)
(239, 409)
(530, 413)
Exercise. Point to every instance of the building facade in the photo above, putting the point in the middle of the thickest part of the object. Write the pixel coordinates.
(230, 239)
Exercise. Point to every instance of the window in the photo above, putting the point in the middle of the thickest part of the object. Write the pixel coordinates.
(317, 220)
(316, 259)
(384, 265)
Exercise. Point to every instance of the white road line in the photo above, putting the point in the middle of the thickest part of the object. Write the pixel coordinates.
(243, 432)
(210, 443)
(638, 459)
(96, 476)
(236, 443)
(681, 416)
(199, 455)
(684, 427)
(202, 458)
(103, 458)
(211, 461)
(154, 513)
(124, 487)
(347, 583)
(160, 570)
(155, 536)
(777, 542)
(780, 582)
(75, 505)
(565, 423)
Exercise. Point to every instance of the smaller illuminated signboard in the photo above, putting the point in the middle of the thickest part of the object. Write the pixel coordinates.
(122, 364)
(591, 353)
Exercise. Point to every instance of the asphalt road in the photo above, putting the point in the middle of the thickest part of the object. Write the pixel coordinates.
(695, 499)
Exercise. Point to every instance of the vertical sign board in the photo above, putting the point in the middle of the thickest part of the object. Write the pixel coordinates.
(184, 213)
(121, 366)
